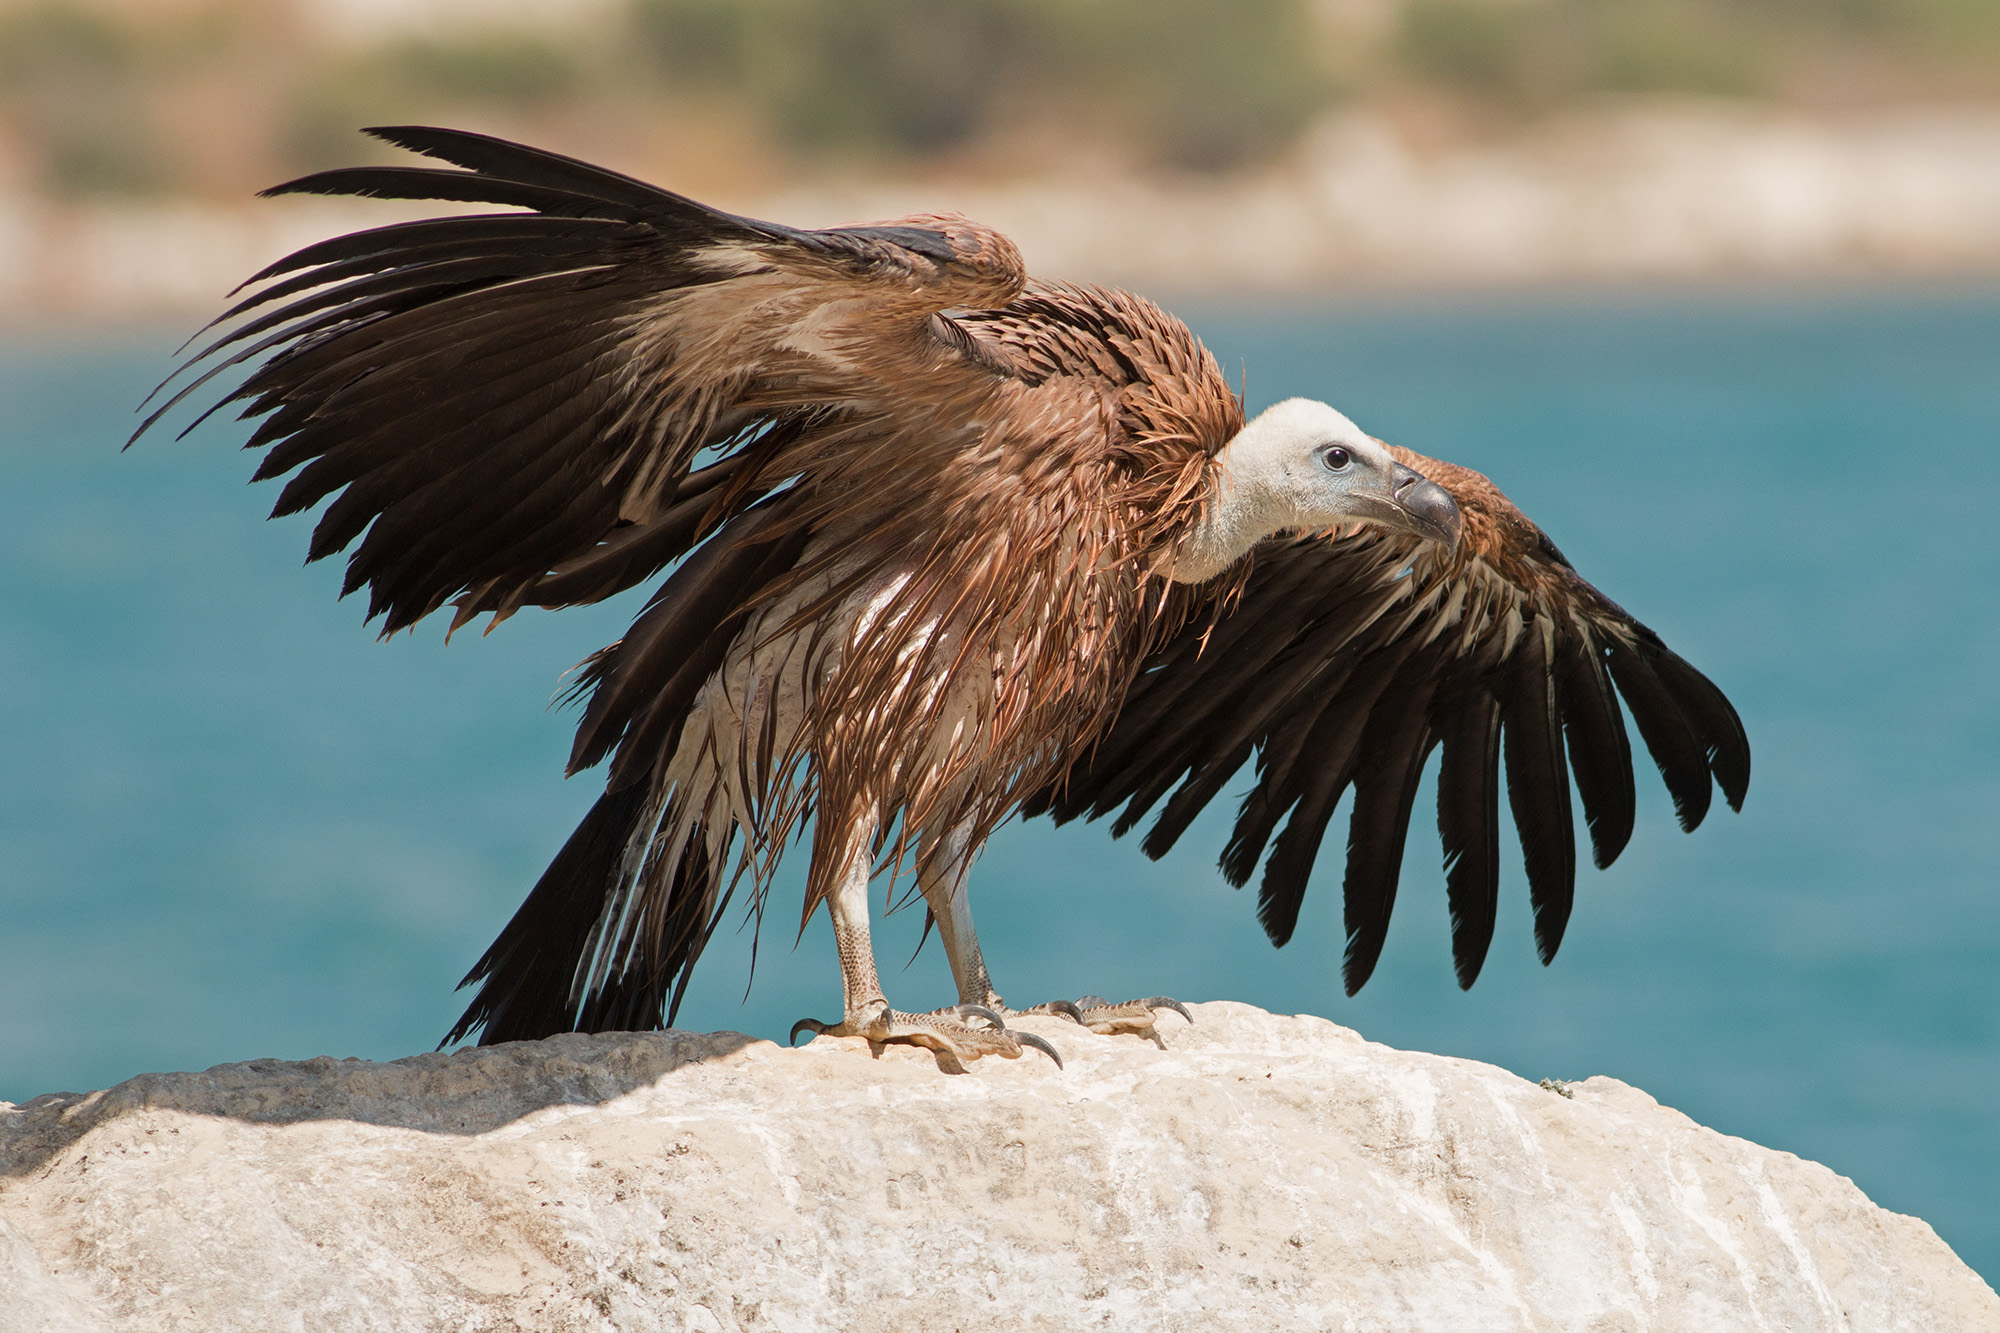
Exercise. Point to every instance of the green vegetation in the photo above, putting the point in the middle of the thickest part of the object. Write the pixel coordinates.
(421, 80)
(1188, 83)
(1537, 54)
(67, 78)
(1542, 54)
(99, 97)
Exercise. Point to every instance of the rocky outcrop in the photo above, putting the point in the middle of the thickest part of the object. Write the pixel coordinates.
(1262, 1173)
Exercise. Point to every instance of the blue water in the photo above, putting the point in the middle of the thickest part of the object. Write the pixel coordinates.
(232, 825)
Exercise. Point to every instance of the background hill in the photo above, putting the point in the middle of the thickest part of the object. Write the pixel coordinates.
(1431, 140)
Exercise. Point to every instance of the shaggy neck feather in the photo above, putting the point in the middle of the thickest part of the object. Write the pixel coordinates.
(1246, 509)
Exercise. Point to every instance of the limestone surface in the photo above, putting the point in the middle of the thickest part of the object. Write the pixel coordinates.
(1262, 1173)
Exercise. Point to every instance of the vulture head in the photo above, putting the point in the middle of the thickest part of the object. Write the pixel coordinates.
(1302, 467)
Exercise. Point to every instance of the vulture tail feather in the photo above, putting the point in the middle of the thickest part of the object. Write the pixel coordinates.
(655, 729)
(527, 971)
(686, 910)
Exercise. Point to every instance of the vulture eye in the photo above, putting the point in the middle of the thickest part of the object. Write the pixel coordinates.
(1335, 458)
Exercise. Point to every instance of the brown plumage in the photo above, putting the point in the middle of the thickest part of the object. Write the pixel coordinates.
(939, 542)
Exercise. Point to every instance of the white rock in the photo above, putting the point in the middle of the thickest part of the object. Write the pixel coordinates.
(1264, 1173)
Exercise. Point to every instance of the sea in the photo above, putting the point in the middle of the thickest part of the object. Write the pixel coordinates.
(235, 825)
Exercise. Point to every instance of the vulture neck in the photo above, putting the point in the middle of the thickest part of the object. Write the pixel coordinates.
(1246, 507)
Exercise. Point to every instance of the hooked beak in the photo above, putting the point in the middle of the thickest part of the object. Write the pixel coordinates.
(1425, 507)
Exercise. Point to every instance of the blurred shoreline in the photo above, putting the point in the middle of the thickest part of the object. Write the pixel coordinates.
(1677, 193)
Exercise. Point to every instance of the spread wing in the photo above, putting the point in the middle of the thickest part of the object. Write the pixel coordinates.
(1348, 658)
(507, 407)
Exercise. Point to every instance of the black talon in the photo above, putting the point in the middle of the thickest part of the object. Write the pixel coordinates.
(980, 1011)
(812, 1025)
(1063, 1007)
(1167, 1002)
(1030, 1039)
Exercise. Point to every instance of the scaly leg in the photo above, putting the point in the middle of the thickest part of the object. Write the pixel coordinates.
(942, 876)
(867, 1010)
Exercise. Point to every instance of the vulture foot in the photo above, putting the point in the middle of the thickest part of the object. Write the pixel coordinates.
(1109, 1020)
(945, 1031)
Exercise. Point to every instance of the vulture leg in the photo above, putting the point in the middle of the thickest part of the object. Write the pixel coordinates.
(868, 1013)
(942, 876)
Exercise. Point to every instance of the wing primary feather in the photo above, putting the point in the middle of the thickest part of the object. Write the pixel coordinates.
(1681, 757)
(381, 460)
(1600, 753)
(1710, 716)
(1258, 815)
(1152, 746)
(448, 185)
(1315, 665)
(408, 283)
(1538, 787)
(1469, 826)
(1280, 780)
(536, 501)
(1193, 796)
(1150, 771)
(516, 162)
(1180, 689)
(1333, 750)
(1283, 749)
(397, 242)
(1394, 748)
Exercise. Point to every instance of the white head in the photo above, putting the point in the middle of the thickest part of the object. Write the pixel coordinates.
(1301, 466)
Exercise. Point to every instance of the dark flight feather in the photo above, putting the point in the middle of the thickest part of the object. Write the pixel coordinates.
(1469, 825)
(1538, 787)
(1519, 664)
(1600, 754)
(1398, 741)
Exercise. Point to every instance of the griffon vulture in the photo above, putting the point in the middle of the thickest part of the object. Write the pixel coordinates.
(941, 544)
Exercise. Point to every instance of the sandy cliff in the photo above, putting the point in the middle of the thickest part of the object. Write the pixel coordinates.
(1263, 1173)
